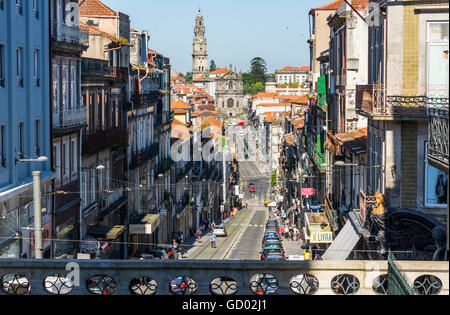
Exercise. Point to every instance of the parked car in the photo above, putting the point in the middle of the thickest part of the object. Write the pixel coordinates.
(220, 230)
(266, 242)
(271, 252)
(170, 253)
(275, 256)
(273, 246)
(241, 123)
(155, 254)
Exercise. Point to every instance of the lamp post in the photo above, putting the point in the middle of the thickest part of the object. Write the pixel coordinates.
(37, 206)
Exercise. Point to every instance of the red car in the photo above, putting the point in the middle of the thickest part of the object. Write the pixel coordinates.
(241, 124)
(252, 189)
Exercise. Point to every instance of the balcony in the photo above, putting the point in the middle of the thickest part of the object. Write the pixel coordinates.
(72, 35)
(144, 99)
(68, 119)
(94, 67)
(373, 101)
(365, 202)
(102, 139)
(438, 135)
(120, 74)
(320, 159)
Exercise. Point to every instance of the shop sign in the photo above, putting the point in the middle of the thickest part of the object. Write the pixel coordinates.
(90, 245)
(321, 238)
(87, 212)
(307, 192)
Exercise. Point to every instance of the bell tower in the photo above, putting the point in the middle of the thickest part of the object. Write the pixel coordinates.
(199, 52)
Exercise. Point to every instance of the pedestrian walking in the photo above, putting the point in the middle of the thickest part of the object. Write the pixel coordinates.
(175, 248)
(282, 230)
(181, 238)
(199, 235)
(213, 240)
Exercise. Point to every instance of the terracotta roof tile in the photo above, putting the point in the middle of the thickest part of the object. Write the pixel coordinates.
(266, 95)
(330, 6)
(95, 8)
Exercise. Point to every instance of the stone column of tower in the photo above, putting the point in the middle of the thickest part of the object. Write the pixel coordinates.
(199, 53)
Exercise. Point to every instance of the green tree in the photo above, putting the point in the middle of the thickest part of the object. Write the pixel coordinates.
(212, 66)
(188, 77)
(258, 68)
(273, 181)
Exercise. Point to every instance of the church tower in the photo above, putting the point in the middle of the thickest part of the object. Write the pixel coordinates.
(199, 53)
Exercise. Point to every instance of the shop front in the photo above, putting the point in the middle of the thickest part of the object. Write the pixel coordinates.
(318, 231)
(144, 230)
(110, 240)
(66, 230)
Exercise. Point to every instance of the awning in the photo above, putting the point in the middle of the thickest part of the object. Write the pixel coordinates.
(145, 225)
(106, 232)
(346, 240)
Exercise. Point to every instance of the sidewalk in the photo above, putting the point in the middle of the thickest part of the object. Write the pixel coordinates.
(191, 243)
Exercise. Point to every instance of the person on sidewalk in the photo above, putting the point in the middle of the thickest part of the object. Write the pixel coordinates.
(199, 235)
(213, 240)
(181, 238)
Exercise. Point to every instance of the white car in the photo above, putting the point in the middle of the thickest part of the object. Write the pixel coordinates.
(220, 230)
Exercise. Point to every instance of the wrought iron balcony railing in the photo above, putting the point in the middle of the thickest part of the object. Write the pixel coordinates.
(70, 34)
(376, 101)
(121, 74)
(365, 201)
(70, 118)
(438, 133)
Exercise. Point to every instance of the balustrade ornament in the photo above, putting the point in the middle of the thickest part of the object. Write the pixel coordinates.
(101, 285)
(143, 286)
(427, 285)
(304, 284)
(223, 286)
(58, 285)
(15, 284)
(345, 284)
(183, 286)
(264, 284)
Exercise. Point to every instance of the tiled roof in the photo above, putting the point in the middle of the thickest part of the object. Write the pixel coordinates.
(179, 104)
(330, 6)
(305, 68)
(220, 71)
(266, 95)
(95, 8)
(273, 105)
(298, 99)
(360, 4)
(94, 30)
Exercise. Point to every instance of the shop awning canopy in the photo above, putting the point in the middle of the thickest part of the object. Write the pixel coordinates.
(106, 232)
(346, 240)
(145, 224)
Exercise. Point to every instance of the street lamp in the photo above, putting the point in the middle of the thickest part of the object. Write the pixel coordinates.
(37, 206)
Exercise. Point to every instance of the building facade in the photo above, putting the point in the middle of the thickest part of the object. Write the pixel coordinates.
(25, 124)
(199, 49)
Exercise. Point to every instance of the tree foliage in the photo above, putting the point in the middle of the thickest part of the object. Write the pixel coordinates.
(258, 68)
(188, 77)
(273, 181)
(212, 66)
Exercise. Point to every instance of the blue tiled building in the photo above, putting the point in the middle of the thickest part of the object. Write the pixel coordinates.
(25, 123)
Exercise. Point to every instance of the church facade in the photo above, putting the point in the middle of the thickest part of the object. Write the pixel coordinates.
(224, 85)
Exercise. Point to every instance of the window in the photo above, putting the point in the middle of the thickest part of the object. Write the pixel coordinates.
(36, 9)
(55, 92)
(437, 46)
(36, 68)
(37, 147)
(2, 147)
(2, 5)
(436, 183)
(19, 66)
(19, 7)
(57, 161)
(2, 79)
(73, 87)
(84, 189)
(73, 157)
(65, 91)
(65, 160)
(20, 140)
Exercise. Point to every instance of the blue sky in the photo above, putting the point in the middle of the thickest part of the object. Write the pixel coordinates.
(236, 30)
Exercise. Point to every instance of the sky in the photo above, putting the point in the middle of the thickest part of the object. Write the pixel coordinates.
(236, 30)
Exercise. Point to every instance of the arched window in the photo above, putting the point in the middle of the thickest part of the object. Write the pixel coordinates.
(230, 103)
(230, 85)
(223, 104)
